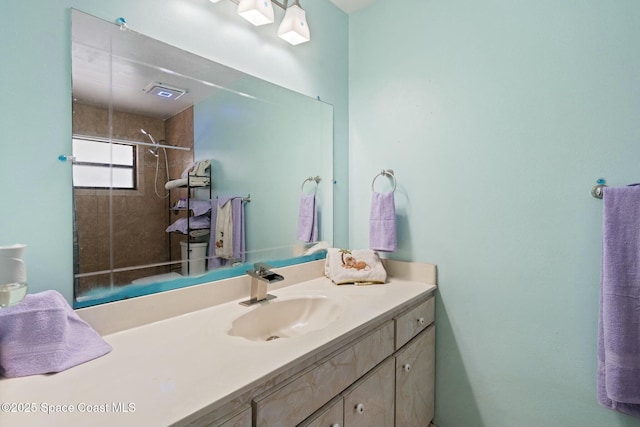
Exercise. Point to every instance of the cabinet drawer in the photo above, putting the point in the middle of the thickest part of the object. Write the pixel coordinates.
(370, 401)
(239, 418)
(243, 419)
(330, 415)
(415, 373)
(305, 394)
(411, 323)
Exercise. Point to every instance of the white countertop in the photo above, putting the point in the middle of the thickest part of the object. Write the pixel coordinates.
(165, 371)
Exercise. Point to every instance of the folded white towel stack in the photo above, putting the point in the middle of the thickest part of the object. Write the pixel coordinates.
(359, 267)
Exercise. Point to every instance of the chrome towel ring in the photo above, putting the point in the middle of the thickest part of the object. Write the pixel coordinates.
(315, 179)
(385, 172)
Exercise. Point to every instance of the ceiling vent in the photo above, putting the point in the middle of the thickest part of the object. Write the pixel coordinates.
(164, 91)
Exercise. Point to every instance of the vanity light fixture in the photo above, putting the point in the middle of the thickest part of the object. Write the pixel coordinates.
(258, 12)
(293, 28)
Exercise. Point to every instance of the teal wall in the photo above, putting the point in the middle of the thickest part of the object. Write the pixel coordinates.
(35, 107)
(281, 139)
(498, 117)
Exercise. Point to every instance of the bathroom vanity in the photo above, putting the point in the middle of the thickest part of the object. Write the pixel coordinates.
(186, 358)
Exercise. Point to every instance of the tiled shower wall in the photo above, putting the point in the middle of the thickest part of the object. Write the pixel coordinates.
(134, 221)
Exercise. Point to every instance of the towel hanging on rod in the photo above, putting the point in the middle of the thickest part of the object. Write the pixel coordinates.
(315, 179)
(382, 218)
(390, 174)
(308, 214)
(598, 190)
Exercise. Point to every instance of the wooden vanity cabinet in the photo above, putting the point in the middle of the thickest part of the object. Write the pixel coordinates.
(385, 377)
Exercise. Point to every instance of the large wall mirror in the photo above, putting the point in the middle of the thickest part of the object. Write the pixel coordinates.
(187, 171)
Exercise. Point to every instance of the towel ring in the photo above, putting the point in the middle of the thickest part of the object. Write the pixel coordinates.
(315, 179)
(389, 173)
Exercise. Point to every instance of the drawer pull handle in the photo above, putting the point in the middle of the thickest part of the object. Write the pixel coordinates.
(406, 367)
(421, 321)
(360, 408)
(335, 425)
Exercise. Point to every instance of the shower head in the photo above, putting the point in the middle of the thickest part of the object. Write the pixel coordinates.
(150, 136)
(153, 150)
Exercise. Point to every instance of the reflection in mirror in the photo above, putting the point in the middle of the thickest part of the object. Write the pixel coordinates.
(162, 139)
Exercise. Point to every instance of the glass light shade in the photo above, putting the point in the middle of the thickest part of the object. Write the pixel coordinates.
(258, 12)
(293, 27)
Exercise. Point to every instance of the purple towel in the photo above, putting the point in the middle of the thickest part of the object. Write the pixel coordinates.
(194, 223)
(199, 207)
(239, 241)
(382, 222)
(42, 334)
(308, 219)
(619, 323)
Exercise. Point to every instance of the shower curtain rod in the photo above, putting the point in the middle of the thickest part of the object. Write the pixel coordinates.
(127, 142)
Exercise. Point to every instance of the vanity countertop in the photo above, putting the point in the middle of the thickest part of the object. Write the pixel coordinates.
(165, 371)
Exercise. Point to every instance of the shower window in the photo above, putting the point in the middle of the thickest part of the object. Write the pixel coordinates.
(105, 165)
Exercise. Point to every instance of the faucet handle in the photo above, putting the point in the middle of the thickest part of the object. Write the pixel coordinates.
(261, 267)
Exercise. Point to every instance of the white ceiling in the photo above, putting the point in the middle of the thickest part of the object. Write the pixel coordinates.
(113, 67)
(128, 57)
(352, 5)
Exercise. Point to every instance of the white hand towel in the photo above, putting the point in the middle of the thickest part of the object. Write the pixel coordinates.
(360, 267)
(224, 229)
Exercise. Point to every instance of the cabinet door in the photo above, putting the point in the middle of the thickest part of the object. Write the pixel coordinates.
(295, 401)
(370, 401)
(328, 416)
(415, 374)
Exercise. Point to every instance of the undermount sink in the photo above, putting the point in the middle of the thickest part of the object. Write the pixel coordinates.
(286, 318)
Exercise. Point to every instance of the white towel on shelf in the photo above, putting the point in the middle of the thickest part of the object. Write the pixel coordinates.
(192, 181)
(194, 175)
(224, 230)
(200, 168)
(359, 267)
(175, 183)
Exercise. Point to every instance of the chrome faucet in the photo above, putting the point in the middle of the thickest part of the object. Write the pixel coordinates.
(261, 276)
